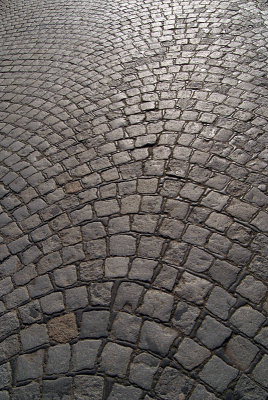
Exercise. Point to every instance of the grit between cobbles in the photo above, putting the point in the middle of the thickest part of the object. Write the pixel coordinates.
(133, 221)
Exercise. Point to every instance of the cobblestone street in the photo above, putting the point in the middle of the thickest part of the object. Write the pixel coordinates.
(133, 200)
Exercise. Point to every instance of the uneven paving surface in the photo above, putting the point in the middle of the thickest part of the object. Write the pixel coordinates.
(132, 201)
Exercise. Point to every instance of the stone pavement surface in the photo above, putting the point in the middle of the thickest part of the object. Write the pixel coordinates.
(133, 221)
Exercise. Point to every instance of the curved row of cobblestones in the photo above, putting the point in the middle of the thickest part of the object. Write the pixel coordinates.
(133, 206)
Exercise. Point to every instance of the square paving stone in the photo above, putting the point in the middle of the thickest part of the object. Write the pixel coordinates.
(220, 302)
(173, 383)
(224, 273)
(93, 230)
(116, 267)
(212, 333)
(91, 270)
(34, 336)
(130, 204)
(198, 260)
(195, 235)
(71, 254)
(193, 288)
(185, 316)
(157, 337)
(200, 393)
(120, 392)
(40, 286)
(97, 248)
(260, 373)
(49, 262)
(76, 298)
(9, 347)
(52, 303)
(94, 324)
(262, 337)
(150, 247)
(252, 289)
(59, 388)
(119, 225)
(145, 223)
(246, 389)
(190, 354)
(247, 320)
(5, 375)
(30, 366)
(142, 370)
(157, 304)
(218, 244)
(241, 352)
(142, 269)
(122, 245)
(84, 354)
(16, 298)
(175, 253)
(115, 359)
(66, 276)
(88, 387)
(218, 374)
(171, 228)
(101, 293)
(128, 296)
(58, 359)
(28, 392)
(8, 323)
(126, 327)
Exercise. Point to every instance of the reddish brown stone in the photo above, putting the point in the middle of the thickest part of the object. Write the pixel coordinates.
(73, 187)
(62, 329)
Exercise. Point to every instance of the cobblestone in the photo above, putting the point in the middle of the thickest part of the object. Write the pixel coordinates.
(133, 195)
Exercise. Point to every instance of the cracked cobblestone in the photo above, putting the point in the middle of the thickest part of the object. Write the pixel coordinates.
(133, 200)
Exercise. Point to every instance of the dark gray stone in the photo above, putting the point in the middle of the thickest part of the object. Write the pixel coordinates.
(246, 389)
(94, 324)
(142, 370)
(9, 347)
(101, 293)
(40, 286)
(8, 323)
(120, 392)
(58, 359)
(185, 316)
(115, 359)
(57, 389)
(173, 383)
(85, 354)
(5, 375)
(126, 327)
(247, 320)
(220, 302)
(34, 336)
(76, 298)
(218, 374)
(157, 337)
(212, 333)
(260, 372)
(86, 387)
(128, 295)
(30, 366)
(241, 352)
(190, 354)
(193, 288)
(28, 392)
(157, 304)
